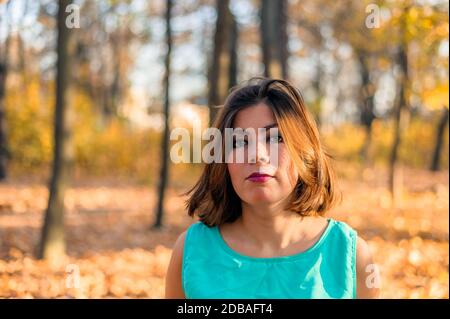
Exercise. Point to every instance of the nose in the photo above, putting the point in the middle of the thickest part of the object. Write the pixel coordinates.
(260, 155)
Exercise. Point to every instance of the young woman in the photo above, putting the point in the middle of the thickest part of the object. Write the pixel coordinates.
(261, 231)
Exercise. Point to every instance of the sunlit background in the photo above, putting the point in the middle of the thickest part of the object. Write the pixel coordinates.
(373, 73)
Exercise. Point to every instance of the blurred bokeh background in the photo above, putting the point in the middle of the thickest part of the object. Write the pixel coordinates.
(90, 203)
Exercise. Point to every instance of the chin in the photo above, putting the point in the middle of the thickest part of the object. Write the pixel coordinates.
(261, 197)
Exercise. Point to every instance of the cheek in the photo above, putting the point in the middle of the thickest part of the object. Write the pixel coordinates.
(235, 170)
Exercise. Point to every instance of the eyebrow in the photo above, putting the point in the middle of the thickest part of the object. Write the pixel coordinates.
(267, 126)
(271, 125)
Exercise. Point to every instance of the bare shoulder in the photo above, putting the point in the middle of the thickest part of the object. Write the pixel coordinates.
(367, 272)
(174, 287)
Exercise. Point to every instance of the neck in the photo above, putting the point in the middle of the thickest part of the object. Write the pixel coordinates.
(271, 227)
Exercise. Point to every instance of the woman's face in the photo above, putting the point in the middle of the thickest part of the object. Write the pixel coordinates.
(282, 175)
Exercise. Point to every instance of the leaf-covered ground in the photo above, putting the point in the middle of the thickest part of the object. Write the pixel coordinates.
(115, 253)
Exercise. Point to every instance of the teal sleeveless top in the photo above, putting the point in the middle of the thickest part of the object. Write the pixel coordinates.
(213, 270)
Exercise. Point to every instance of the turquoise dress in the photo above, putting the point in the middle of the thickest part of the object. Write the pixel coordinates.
(213, 270)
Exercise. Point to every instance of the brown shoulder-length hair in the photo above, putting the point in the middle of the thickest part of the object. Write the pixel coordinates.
(213, 198)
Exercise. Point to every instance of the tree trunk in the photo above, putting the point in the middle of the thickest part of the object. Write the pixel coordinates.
(3, 138)
(274, 38)
(4, 154)
(439, 140)
(401, 107)
(232, 48)
(4, 60)
(21, 49)
(52, 245)
(223, 69)
(164, 172)
(116, 88)
(367, 114)
(316, 107)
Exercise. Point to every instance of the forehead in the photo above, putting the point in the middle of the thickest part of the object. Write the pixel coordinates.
(255, 116)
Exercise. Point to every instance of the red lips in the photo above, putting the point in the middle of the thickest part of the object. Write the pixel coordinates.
(258, 175)
(259, 178)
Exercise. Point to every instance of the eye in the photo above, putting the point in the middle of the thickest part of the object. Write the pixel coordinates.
(239, 143)
(275, 139)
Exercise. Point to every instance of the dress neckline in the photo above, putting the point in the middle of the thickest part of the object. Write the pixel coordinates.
(291, 257)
